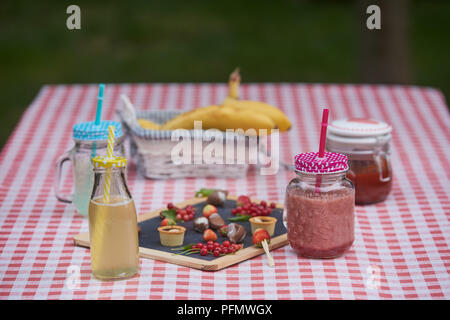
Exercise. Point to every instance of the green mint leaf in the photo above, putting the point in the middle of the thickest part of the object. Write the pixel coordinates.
(240, 218)
(186, 247)
(169, 214)
(203, 192)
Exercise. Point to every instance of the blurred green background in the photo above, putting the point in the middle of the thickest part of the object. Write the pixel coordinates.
(202, 41)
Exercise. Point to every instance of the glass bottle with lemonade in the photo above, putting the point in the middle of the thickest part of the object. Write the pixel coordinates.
(112, 220)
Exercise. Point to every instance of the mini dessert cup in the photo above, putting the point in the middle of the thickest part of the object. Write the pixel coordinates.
(171, 236)
(267, 223)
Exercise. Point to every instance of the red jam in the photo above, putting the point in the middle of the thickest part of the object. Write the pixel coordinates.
(372, 180)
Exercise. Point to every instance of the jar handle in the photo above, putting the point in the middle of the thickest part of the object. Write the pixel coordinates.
(381, 166)
(57, 179)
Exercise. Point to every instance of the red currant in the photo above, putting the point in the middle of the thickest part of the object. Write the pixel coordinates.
(263, 203)
(226, 244)
(232, 249)
(204, 252)
(199, 245)
(170, 206)
(216, 244)
(186, 217)
(178, 217)
(225, 250)
(273, 205)
(210, 242)
(210, 247)
(216, 253)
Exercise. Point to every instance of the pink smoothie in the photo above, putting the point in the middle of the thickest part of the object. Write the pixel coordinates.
(320, 225)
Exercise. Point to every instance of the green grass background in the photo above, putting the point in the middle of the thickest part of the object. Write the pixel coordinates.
(198, 41)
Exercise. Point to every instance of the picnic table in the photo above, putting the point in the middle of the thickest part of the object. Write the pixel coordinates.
(401, 247)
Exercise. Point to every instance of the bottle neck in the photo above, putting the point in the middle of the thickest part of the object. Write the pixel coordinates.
(116, 186)
(100, 144)
(325, 178)
(364, 146)
(113, 170)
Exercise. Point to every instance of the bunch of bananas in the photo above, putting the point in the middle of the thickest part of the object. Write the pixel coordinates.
(233, 113)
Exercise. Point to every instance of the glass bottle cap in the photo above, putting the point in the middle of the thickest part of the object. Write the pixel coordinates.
(109, 162)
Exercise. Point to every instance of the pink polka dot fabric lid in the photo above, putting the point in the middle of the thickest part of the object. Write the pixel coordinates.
(331, 162)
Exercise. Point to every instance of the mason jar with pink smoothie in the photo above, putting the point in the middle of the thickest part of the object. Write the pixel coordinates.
(319, 206)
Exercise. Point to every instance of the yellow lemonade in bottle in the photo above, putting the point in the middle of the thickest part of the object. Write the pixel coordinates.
(114, 238)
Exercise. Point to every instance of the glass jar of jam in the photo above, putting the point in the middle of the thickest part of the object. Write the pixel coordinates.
(366, 143)
(319, 206)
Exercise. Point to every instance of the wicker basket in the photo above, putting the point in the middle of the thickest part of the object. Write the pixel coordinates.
(151, 150)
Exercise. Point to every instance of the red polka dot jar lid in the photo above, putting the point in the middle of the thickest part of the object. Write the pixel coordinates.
(331, 162)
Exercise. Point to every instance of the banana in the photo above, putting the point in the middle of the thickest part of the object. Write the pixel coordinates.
(147, 124)
(229, 118)
(186, 120)
(232, 114)
(233, 84)
(282, 122)
(221, 118)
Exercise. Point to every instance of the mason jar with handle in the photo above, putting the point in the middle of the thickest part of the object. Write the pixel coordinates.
(90, 141)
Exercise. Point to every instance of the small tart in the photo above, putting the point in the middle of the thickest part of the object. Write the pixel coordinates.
(264, 222)
(171, 236)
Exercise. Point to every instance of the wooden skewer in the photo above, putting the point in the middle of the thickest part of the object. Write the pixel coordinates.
(269, 256)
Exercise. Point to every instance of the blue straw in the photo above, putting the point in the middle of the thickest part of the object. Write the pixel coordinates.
(97, 122)
(101, 87)
(99, 104)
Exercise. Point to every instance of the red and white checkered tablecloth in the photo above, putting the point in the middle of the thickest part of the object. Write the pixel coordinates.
(402, 242)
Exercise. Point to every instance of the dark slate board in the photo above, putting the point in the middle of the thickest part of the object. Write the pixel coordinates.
(149, 237)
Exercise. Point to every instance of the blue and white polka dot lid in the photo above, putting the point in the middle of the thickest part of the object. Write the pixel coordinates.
(89, 131)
